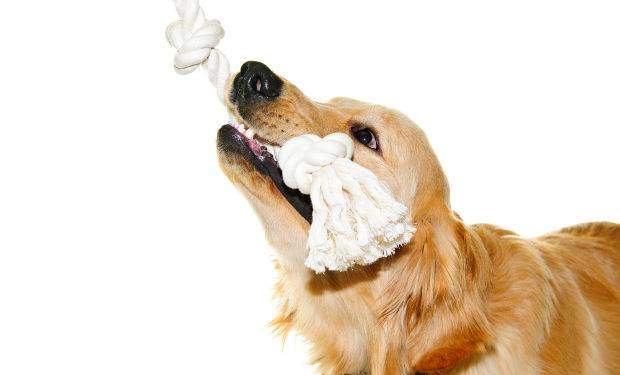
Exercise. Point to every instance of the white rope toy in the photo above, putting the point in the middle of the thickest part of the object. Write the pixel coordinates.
(355, 218)
(195, 39)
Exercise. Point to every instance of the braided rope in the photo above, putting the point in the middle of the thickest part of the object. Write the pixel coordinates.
(302, 156)
(355, 218)
(195, 39)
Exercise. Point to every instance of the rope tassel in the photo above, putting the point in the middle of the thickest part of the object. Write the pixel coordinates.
(355, 218)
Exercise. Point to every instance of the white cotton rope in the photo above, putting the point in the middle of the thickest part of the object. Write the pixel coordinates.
(355, 218)
(195, 39)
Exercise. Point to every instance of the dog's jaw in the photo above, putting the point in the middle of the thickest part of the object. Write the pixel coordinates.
(235, 139)
(286, 229)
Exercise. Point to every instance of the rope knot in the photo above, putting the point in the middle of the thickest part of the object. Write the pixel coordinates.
(355, 218)
(195, 39)
(301, 156)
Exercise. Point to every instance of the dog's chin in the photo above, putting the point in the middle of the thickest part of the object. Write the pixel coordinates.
(242, 157)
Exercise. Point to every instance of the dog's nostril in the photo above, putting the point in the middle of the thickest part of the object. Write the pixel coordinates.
(256, 85)
(255, 81)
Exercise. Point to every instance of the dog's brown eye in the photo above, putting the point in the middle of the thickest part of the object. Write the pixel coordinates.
(365, 136)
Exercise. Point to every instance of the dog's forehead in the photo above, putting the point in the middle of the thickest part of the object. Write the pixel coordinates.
(344, 102)
(381, 118)
(359, 111)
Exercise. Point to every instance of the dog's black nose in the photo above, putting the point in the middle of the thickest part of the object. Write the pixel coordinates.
(255, 81)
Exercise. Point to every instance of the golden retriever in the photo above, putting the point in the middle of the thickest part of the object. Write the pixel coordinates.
(459, 298)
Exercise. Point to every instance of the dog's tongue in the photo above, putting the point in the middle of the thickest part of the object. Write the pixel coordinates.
(301, 202)
(256, 148)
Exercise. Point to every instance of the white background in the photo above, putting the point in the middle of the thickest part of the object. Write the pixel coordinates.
(124, 250)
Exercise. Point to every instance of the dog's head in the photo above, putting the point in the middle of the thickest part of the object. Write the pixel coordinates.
(445, 260)
(274, 110)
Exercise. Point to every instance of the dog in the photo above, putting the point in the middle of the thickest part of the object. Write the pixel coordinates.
(457, 299)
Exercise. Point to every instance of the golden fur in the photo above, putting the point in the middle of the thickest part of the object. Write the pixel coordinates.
(458, 299)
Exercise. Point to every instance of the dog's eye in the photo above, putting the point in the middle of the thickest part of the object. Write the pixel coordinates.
(365, 136)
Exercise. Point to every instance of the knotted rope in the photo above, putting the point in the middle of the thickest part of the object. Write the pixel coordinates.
(195, 39)
(302, 156)
(355, 218)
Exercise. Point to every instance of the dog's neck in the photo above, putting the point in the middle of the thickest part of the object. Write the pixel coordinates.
(444, 267)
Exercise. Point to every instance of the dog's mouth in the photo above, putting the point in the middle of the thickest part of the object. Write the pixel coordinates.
(262, 155)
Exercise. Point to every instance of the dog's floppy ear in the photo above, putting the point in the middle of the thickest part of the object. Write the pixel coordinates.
(441, 300)
(454, 326)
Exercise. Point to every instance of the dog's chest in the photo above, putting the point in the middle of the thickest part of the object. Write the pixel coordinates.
(337, 323)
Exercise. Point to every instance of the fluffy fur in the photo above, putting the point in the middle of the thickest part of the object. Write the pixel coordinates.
(458, 299)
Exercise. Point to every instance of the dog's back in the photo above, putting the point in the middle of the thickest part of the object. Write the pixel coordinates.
(603, 230)
(592, 252)
(585, 260)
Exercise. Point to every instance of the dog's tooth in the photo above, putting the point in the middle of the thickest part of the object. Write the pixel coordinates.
(276, 151)
(269, 149)
(249, 133)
